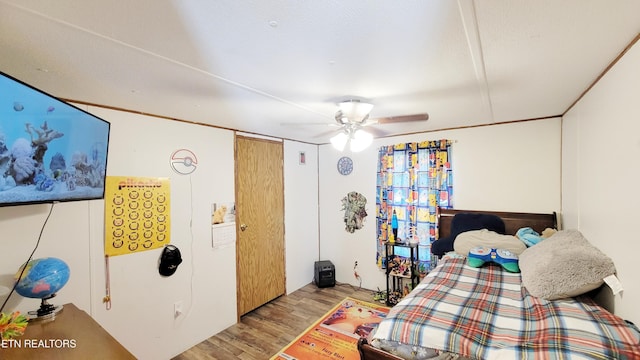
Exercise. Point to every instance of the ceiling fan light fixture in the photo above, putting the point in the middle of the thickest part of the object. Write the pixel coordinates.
(360, 140)
(339, 141)
(354, 110)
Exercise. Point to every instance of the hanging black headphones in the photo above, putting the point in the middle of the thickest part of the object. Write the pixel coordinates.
(169, 260)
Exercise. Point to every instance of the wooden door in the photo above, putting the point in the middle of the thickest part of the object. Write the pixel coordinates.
(260, 222)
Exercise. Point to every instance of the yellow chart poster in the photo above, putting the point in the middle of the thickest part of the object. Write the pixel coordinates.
(137, 214)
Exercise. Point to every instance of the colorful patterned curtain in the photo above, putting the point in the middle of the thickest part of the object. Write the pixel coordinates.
(414, 180)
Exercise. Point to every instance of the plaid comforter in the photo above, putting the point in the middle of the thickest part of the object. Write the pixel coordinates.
(485, 313)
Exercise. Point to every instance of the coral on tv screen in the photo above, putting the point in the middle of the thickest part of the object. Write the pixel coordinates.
(49, 150)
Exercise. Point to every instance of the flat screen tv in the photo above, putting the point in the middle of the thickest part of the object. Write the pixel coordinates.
(50, 150)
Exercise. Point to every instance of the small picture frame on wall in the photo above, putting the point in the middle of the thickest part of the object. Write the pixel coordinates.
(302, 158)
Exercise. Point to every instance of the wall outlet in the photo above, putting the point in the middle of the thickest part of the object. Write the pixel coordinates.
(177, 309)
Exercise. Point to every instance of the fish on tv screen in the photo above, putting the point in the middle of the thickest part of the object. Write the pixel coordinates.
(50, 150)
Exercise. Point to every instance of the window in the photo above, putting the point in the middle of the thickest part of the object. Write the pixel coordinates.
(413, 179)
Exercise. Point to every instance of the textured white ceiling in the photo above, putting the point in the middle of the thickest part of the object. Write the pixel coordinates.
(256, 65)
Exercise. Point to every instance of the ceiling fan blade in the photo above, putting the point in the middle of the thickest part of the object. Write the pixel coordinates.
(326, 133)
(400, 119)
(307, 124)
(377, 133)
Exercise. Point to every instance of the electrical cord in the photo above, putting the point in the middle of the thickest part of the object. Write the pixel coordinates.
(192, 244)
(24, 267)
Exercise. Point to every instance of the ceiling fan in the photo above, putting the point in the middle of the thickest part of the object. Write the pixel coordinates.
(353, 116)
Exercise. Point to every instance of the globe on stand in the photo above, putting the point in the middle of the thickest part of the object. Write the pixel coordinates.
(42, 279)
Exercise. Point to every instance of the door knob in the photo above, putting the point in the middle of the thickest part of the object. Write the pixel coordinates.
(243, 227)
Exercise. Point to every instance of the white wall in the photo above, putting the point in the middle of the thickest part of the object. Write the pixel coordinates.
(141, 317)
(301, 213)
(510, 167)
(205, 281)
(600, 191)
(66, 236)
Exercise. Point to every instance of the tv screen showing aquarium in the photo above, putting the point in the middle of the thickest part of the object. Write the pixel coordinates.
(50, 150)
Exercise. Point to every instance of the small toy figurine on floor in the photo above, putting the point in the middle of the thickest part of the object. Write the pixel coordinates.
(379, 295)
(394, 297)
(406, 290)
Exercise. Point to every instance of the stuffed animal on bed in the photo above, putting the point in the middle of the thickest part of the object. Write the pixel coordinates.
(548, 232)
(530, 237)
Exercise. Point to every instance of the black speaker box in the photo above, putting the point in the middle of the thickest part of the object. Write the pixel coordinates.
(324, 274)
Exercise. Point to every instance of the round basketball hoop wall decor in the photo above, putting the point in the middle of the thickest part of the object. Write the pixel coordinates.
(183, 161)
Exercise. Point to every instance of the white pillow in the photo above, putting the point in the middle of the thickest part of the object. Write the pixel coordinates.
(564, 265)
(487, 238)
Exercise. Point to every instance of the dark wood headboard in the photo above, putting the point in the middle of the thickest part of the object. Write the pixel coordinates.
(513, 221)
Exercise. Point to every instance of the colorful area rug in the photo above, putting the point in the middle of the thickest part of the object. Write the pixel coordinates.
(336, 334)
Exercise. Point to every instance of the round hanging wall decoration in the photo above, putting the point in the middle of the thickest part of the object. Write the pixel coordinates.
(183, 161)
(345, 165)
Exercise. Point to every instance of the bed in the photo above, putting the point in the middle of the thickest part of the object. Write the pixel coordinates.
(464, 312)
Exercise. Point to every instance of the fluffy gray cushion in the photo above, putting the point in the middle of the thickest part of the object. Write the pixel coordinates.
(564, 265)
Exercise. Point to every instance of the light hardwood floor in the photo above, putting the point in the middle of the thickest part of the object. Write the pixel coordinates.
(263, 332)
